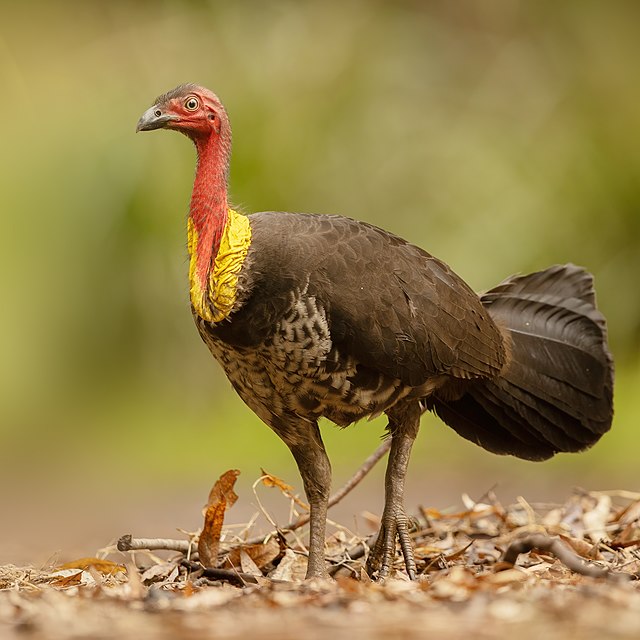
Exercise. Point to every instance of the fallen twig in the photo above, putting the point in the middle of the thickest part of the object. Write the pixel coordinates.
(354, 553)
(624, 545)
(237, 578)
(364, 469)
(232, 576)
(129, 543)
(560, 550)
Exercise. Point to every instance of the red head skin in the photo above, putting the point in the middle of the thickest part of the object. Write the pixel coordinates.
(199, 114)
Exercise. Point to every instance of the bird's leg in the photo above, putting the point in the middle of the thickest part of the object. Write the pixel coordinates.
(315, 469)
(403, 427)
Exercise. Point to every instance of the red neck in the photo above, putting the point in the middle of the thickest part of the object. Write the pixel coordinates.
(209, 208)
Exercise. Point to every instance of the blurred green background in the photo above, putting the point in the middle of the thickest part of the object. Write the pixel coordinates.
(501, 136)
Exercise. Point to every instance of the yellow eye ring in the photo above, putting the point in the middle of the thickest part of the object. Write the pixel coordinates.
(191, 103)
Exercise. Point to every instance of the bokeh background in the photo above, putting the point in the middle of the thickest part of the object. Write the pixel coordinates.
(501, 136)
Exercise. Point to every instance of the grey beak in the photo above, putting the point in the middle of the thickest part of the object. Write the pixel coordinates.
(153, 118)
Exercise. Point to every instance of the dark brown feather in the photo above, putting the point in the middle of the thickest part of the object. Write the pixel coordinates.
(391, 305)
(556, 394)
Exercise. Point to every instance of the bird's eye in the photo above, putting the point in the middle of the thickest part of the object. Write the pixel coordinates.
(191, 104)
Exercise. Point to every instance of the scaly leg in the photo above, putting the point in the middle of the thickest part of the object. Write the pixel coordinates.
(403, 427)
(315, 469)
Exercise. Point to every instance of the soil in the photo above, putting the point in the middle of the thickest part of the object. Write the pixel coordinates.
(572, 573)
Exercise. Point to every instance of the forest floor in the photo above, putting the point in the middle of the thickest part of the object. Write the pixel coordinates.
(552, 571)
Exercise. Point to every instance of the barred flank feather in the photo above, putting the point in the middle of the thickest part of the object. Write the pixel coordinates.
(556, 394)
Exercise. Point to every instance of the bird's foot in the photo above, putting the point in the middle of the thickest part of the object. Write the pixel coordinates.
(394, 524)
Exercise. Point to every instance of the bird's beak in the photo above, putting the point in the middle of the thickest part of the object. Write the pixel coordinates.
(154, 118)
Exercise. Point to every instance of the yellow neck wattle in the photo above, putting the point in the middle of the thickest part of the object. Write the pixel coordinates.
(214, 302)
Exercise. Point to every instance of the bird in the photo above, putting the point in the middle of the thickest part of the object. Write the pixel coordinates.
(317, 315)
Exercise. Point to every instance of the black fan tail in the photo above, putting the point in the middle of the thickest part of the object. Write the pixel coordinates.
(556, 392)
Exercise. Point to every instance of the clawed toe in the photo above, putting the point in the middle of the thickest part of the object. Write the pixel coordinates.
(383, 553)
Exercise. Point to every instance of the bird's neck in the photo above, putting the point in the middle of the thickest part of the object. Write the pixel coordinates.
(208, 212)
(218, 237)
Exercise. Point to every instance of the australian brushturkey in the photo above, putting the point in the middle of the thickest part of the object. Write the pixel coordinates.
(319, 315)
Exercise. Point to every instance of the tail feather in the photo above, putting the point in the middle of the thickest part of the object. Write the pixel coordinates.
(556, 393)
(483, 426)
(563, 281)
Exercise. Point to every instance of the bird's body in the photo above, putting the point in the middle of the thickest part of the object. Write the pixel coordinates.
(311, 337)
(322, 316)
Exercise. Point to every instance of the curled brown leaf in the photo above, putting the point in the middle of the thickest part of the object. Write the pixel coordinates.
(221, 496)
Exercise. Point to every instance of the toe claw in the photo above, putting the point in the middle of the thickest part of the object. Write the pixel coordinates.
(382, 556)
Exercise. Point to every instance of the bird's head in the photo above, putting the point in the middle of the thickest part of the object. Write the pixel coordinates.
(190, 109)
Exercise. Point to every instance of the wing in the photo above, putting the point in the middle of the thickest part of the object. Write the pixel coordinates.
(391, 305)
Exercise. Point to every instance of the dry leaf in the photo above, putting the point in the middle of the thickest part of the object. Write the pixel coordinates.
(595, 521)
(166, 571)
(630, 514)
(455, 586)
(269, 480)
(247, 565)
(427, 551)
(209, 541)
(71, 580)
(137, 590)
(581, 547)
(292, 567)
(223, 489)
(454, 555)
(508, 576)
(261, 554)
(105, 567)
(431, 513)
(628, 537)
(220, 496)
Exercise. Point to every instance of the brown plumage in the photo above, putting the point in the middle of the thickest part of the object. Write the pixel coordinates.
(327, 316)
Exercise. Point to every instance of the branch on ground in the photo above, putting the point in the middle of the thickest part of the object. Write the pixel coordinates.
(557, 548)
